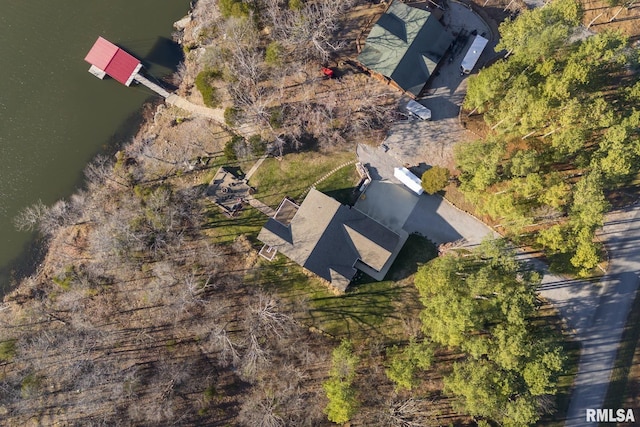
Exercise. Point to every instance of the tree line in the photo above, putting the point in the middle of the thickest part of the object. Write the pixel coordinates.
(563, 112)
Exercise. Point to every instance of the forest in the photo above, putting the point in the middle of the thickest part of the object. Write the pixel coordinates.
(563, 113)
(152, 307)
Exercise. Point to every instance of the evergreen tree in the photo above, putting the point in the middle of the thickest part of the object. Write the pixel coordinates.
(435, 179)
(481, 303)
(343, 403)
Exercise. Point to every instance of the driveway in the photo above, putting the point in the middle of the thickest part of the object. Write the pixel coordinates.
(605, 314)
(396, 207)
(431, 142)
(595, 311)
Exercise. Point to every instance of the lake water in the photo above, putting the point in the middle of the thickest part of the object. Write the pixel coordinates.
(54, 115)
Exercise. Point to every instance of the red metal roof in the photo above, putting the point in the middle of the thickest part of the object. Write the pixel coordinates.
(112, 60)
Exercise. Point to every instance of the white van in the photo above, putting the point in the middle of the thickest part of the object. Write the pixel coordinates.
(418, 110)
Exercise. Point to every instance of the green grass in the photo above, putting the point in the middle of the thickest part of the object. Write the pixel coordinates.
(293, 175)
(204, 83)
(276, 179)
(341, 185)
(30, 385)
(224, 230)
(369, 309)
(7, 350)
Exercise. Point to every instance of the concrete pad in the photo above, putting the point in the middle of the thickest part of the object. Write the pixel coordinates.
(442, 223)
(388, 203)
(397, 208)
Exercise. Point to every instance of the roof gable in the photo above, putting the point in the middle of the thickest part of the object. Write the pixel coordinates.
(122, 66)
(369, 251)
(113, 60)
(394, 26)
(101, 53)
(406, 45)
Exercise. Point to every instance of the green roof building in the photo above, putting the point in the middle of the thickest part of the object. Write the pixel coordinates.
(406, 45)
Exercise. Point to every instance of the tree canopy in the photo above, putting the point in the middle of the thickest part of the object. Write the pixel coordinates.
(482, 303)
(435, 179)
(343, 403)
(563, 109)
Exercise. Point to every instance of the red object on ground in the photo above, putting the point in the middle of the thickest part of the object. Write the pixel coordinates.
(327, 72)
(114, 61)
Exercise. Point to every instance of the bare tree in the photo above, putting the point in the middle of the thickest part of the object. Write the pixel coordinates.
(263, 411)
(409, 413)
(29, 218)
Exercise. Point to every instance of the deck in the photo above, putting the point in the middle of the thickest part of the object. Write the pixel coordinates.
(151, 85)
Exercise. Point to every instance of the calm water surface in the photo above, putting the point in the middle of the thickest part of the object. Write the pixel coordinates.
(54, 115)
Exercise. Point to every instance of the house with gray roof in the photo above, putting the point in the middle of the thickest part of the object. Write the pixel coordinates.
(331, 240)
(406, 45)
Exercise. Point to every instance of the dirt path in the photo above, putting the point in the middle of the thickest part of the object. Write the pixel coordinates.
(216, 114)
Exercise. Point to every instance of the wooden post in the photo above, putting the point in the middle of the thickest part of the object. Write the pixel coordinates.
(472, 111)
(529, 134)
(507, 6)
(485, 3)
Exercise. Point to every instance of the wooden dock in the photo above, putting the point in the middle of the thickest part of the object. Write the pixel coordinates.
(216, 114)
(151, 85)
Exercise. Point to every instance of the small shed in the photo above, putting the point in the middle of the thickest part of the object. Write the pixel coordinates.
(410, 180)
(108, 59)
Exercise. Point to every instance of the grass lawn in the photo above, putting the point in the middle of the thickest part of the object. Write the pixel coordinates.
(369, 309)
(293, 175)
(341, 185)
(223, 229)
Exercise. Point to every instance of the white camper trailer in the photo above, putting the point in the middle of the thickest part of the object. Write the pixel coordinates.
(418, 110)
(473, 54)
(410, 180)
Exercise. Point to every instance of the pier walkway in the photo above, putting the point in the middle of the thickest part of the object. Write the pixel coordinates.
(151, 85)
(216, 114)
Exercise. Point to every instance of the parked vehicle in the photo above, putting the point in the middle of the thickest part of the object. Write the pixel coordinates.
(418, 110)
(328, 72)
(473, 54)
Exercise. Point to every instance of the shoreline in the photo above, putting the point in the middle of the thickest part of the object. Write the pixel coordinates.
(31, 260)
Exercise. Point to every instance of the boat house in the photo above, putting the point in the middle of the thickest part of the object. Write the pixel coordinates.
(108, 59)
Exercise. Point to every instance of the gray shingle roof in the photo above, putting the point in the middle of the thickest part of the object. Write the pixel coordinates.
(328, 239)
